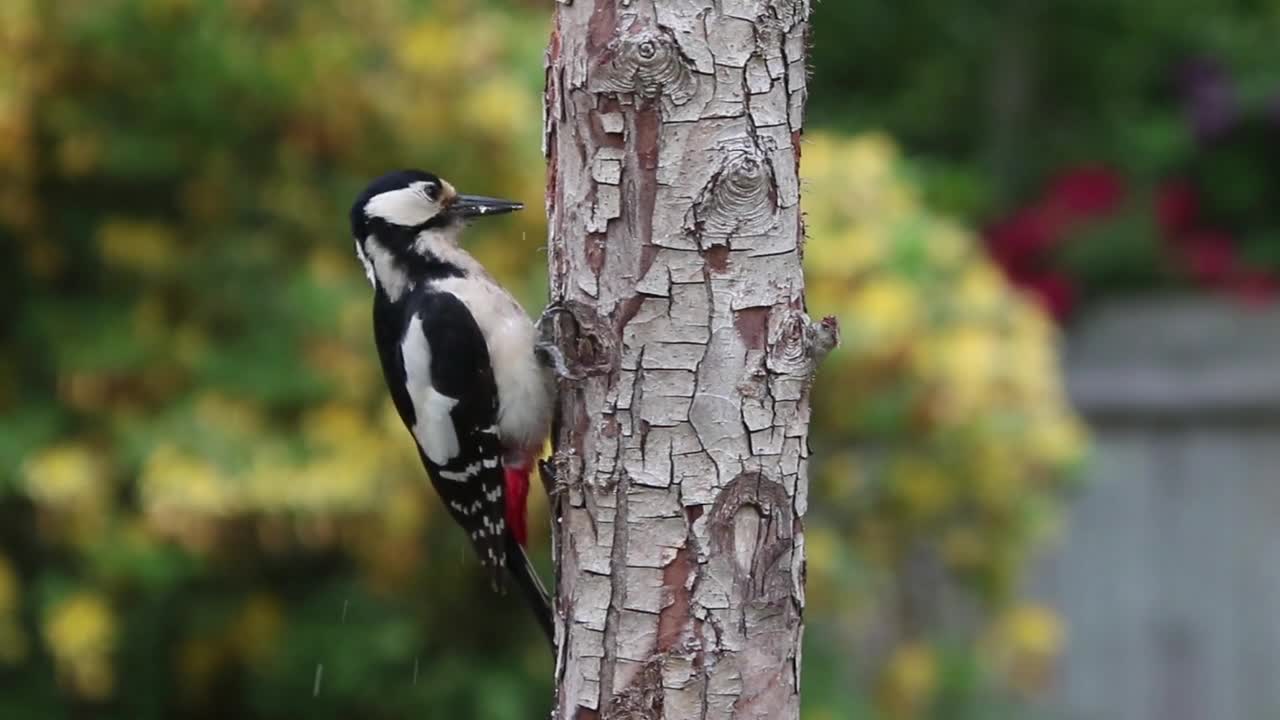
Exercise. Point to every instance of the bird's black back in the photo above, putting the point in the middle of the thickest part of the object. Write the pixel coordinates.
(460, 369)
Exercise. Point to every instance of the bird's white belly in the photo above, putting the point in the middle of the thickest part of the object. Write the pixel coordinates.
(523, 391)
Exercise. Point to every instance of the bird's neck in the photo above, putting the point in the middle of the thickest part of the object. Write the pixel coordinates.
(398, 264)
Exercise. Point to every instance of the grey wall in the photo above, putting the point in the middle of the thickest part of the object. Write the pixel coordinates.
(1169, 576)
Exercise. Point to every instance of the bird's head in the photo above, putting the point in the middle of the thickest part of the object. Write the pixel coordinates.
(413, 200)
(409, 217)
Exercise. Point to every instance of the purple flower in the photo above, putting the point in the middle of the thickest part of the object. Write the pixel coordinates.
(1208, 98)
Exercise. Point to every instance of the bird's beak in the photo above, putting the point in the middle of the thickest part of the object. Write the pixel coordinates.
(468, 206)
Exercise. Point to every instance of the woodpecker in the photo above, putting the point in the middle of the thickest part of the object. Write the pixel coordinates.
(459, 355)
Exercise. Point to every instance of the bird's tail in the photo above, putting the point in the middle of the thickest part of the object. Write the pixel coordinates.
(531, 587)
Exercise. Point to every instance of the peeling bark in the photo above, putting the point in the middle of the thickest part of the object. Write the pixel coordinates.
(672, 139)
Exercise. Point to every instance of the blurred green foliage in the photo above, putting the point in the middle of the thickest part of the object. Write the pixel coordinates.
(998, 95)
(208, 508)
(206, 496)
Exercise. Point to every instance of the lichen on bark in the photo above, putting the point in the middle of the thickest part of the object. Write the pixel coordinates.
(672, 139)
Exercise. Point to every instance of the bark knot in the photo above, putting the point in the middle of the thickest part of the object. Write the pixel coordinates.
(797, 344)
(646, 63)
(587, 342)
(751, 526)
(739, 200)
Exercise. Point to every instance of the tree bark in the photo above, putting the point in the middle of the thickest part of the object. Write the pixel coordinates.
(672, 138)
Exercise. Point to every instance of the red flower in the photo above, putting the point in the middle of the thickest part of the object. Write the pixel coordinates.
(1086, 192)
(1021, 239)
(1176, 207)
(1055, 293)
(1255, 287)
(1210, 256)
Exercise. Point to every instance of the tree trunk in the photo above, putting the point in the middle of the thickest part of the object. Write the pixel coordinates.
(672, 138)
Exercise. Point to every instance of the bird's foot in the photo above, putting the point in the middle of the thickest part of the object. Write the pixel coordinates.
(551, 476)
(550, 357)
(547, 348)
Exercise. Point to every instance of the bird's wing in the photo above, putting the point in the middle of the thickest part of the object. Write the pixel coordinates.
(454, 402)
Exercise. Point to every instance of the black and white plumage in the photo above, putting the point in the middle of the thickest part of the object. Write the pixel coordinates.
(458, 355)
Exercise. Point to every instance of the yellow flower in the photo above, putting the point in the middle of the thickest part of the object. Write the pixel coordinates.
(822, 549)
(921, 486)
(352, 373)
(1028, 318)
(82, 625)
(429, 46)
(1033, 630)
(353, 319)
(883, 311)
(228, 414)
(404, 513)
(343, 481)
(970, 350)
(999, 470)
(948, 245)
(910, 680)
(871, 190)
(142, 246)
(65, 476)
(1027, 641)
(272, 481)
(966, 358)
(817, 156)
(333, 425)
(854, 251)
(328, 267)
(1057, 442)
(175, 480)
(870, 156)
(80, 632)
(925, 311)
(499, 107)
(18, 22)
(981, 291)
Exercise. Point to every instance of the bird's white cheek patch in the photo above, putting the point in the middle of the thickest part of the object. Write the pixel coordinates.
(433, 429)
(402, 206)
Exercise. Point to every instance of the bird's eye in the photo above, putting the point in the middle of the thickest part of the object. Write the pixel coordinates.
(432, 191)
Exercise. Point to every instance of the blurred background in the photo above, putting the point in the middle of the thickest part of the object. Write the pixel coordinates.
(1045, 457)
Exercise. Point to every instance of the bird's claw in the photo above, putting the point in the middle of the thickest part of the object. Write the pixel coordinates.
(551, 476)
(550, 356)
(547, 349)
(557, 307)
